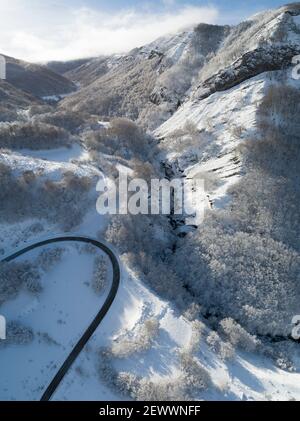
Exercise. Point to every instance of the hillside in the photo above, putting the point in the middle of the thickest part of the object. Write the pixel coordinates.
(13, 99)
(63, 67)
(149, 83)
(36, 80)
(28, 85)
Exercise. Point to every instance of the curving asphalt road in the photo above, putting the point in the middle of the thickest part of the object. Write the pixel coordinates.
(97, 320)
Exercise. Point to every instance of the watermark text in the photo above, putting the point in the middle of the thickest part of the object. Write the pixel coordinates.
(2, 67)
(136, 196)
(2, 328)
(296, 68)
(296, 327)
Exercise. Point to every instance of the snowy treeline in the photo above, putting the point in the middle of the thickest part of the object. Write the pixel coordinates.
(64, 201)
(19, 135)
(244, 261)
(122, 138)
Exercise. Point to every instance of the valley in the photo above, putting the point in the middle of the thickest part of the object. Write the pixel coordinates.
(203, 311)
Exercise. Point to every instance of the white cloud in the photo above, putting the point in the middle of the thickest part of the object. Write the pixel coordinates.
(169, 2)
(55, 31)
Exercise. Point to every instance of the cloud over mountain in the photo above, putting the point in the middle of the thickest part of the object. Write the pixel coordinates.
(59, 31)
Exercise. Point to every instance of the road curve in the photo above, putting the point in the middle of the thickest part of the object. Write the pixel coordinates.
(99, 317)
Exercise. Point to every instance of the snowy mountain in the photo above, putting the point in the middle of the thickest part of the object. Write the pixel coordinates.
(202, 312)
(149, 83)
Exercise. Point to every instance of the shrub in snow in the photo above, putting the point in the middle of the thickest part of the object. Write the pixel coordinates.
(282, 352)
(138, 388)
(192, 379)
(127, 384)
(63, 201)
(143, 170)
(10, 281)
(223, 349)
(65, 119)
(45, 337)
(36, 228)
(33, 281)
(88, 248)
(122, 138)
(33, 136)
(99, 141)
(100, 275)
(68, 199)
(197, 330)
(17, 334)
(141, 340)
(134, 233)
(237, 335)
(14, 276)
(161, 390)
(195, 375)
(192, 312)
(49, 257)
(107, 373)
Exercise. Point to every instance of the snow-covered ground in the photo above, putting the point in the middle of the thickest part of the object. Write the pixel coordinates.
(173, 46)
(67, 304)
(58, 317)
(55, 98)
(247, 376)
(220, 173)
(52, 169)
(60, 314)
(221, 114)
(226, 119)
(56, 155)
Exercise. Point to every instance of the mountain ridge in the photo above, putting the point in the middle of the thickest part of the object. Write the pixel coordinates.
(178, 65)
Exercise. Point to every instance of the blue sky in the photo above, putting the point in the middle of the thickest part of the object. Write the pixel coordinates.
(223, 5)
(41, 30)
(242, 7)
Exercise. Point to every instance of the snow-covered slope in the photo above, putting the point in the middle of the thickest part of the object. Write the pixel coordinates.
(245, 377)
(149, 346)
(221, 111)
(57, 323)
